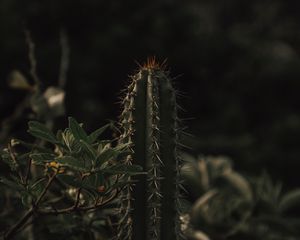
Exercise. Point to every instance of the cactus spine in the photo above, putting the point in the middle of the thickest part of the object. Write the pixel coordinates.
(149, 123)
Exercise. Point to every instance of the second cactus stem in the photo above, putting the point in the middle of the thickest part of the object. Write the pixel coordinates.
(150, 210)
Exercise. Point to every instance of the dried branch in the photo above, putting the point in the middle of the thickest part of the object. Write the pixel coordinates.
(77, 198)
(80, 209)
(31, 57)
(64, 62)
(14, 159)
(14, 229)
(28, 170)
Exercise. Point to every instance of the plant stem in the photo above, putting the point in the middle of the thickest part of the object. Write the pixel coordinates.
(14, 229)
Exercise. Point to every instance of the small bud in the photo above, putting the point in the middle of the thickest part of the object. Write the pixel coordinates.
(101, 189)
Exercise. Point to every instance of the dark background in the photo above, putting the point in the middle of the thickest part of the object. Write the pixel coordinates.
(237, 66)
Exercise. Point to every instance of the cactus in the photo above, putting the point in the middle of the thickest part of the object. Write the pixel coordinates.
(150, 210)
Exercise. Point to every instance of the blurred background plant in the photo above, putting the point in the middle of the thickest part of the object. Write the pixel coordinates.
(226, 205)
(41, 102)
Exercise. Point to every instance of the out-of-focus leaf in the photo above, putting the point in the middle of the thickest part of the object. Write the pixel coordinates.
(39, 130)
(59, 136)
(42, 158)
(26, 198)
(70, 141)
(39, 105)
(77, 130)
(105, 155)
(5, 155)
(94, 180)
(70, 180)
(290, 200)
(11, 184)
(234, 181)
(199, 235)
(55, 99)
(124, 169)
(18, 81)
(92, 153)
(95, 135)
(218, 165)
(121, 184)
(32, 146)
(71, 162)
(37, 187)
(122, 147)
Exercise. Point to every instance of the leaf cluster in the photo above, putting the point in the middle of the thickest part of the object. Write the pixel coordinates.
(71, 171)
(227, 205)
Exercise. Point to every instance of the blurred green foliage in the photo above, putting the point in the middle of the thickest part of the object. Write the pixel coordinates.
(224, 204)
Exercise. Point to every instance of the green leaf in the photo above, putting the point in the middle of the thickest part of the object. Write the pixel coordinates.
(94, 180)
(105, 156)
(124, 169)
(42, 158)
(11, 184)
(32, 146)
(71, 162)
(59, 136)
(26, 198)
(39, 130)
(95, 135)
(70, 141)
(92, 153)
(121, 184)
(77, 130)
(37, 187)
(70, 180)
(6, 157)
(122, 147)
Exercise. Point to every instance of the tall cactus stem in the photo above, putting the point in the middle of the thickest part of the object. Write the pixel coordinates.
(149, 123)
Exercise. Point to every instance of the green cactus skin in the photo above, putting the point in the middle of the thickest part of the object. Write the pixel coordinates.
(149, 122)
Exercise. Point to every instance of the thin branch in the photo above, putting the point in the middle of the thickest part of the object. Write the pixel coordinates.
(45, 189)
(31, 57)
(14, 229)
(80, 209)
(14, 158)
(77, 199)
(28, 170)
(64, 62)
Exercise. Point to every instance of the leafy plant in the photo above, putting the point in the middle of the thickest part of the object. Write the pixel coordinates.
(226, 205)
(76, 173)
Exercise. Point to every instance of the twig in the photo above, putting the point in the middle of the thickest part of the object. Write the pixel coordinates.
(46, 188)
(14, 158)
(28, 170)
(14, 229)
(77, 198)
(31, 57)
(80, 209)
(64, 62)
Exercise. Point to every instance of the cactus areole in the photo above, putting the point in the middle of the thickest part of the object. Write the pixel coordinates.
(150, 209)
